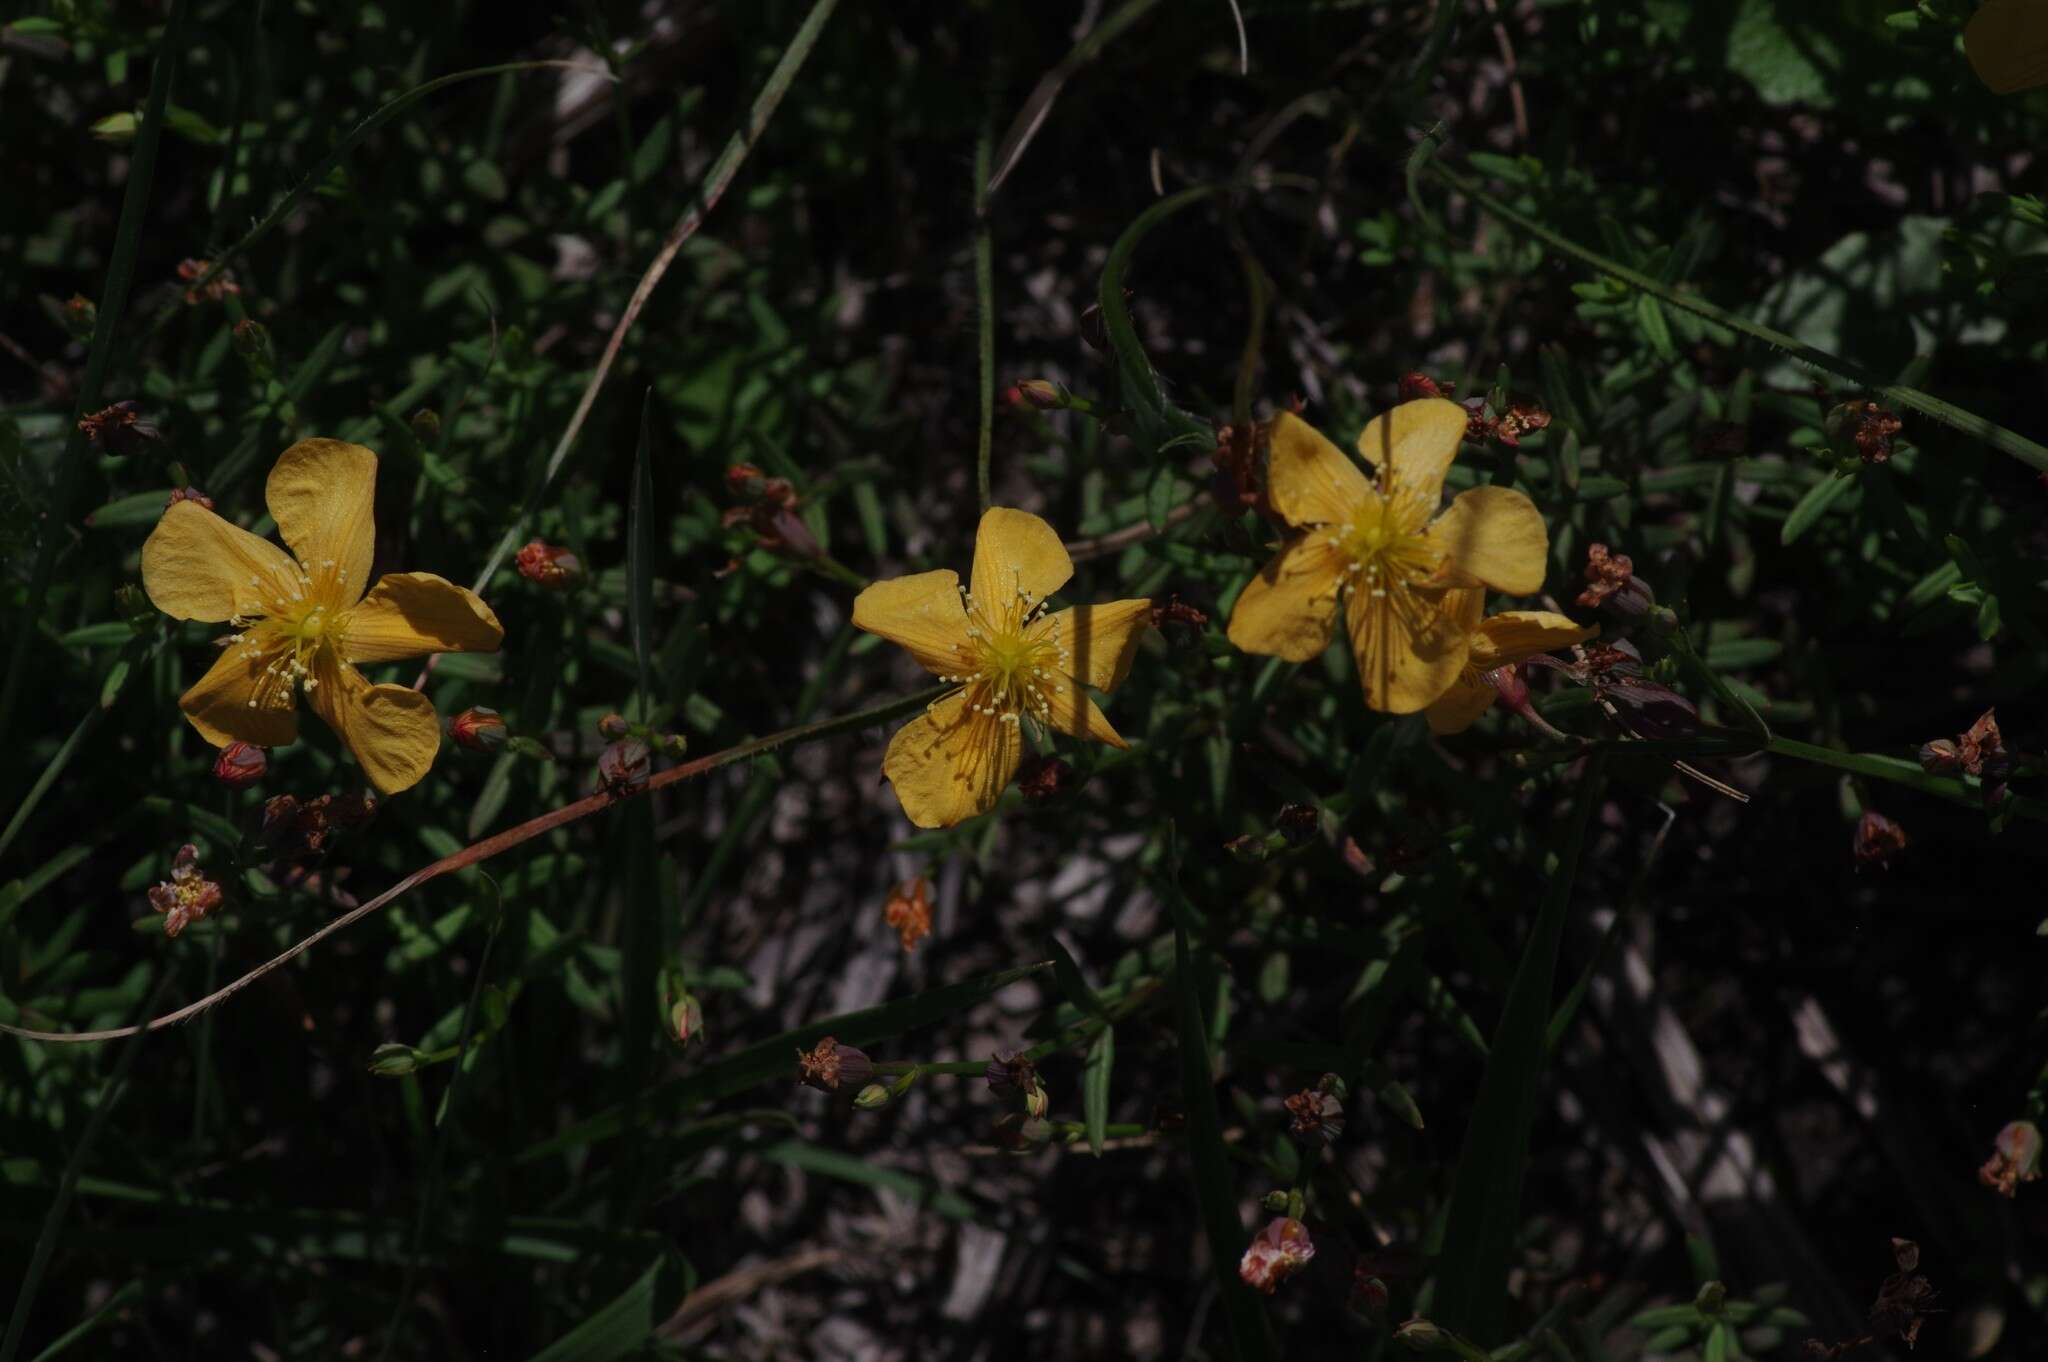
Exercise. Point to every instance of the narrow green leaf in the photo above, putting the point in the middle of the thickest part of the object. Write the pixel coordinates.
(1486, 1203)
(1813, 506)
(1215, 1185)
(851, 1168)
(775, 1058)
(1153, 420)
(1067, 974)
(1657, 331)
(626, 1322)
(640, 558)
(1095, 1087)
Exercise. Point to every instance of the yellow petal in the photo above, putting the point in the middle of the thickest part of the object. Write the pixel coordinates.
(320, 494)
(1493, 535)
(1100, 640)
(1071, 711)
(1413, 445)
(1309, 480)
(1409, 656)
(196, 566)
(2007, 44)
(1016, 556)
(1289, 609)
(923, 613)
(218, 703)
(392, 730)
(1458, 708)
(1517, 635)
(948, 765)
(408, 614)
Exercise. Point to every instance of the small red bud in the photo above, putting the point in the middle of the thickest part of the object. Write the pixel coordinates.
(1037, 394)
(478, 729)
(240, 764)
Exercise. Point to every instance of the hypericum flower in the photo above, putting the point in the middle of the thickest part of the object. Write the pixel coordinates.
(1276, 1253)
(2007, 44)
(1502, 640)
(1009, 659)
(187, 896)
(1400, 569)
(307, 622)
(909, 911)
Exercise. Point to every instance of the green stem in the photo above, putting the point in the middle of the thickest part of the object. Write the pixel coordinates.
(1961, 790)
(113, 301)
(1997, 436)
(985, 316)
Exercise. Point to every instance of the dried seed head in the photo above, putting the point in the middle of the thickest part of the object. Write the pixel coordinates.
(549, 565)
(1877, 840)
(1276, 1253)
(2015, 1158)
(909, 911)
(828, 1064)
(187, 896)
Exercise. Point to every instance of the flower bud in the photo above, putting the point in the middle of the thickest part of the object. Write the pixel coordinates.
(1297, 823)
(685, 1019)
(135, 607)
(1037, 394)
(828, 1065)
(478, 729)
(220, 286)
(745, 481)
(549, 565)
(622, 767)
(393, 1060)
(1369, 1296)
(426, 426)
(614, 726)
(1712, 1296)
(1274, 1201)
(240, 764)
(1420, 1335)
(1940, 757)
(80, 316)
(872, 1096)
(1414, 385)
(252, 343)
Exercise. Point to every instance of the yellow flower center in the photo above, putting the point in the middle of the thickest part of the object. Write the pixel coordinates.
(299, 619)
(1010, 657)
(1385, 547)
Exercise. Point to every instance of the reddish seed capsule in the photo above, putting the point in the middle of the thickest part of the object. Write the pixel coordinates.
(549, 565)
(240, 764)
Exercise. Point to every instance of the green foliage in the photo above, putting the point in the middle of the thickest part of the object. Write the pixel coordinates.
(568, 269)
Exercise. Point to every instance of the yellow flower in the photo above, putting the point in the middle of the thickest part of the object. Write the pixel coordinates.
(1010, 659)
(308, 622)
(1497, 641)
(2007, 44)
(1379, 546)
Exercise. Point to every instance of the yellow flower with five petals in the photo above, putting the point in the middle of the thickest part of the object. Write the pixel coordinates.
(1011, 660)
(307, 621)
(1503, 640)
(1378, 547)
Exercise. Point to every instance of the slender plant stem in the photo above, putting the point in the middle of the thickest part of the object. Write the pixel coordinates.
(1969, 423)
(505, 841)
(714, 187)
(113, 302)
(67, 1182)
(985, 316)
